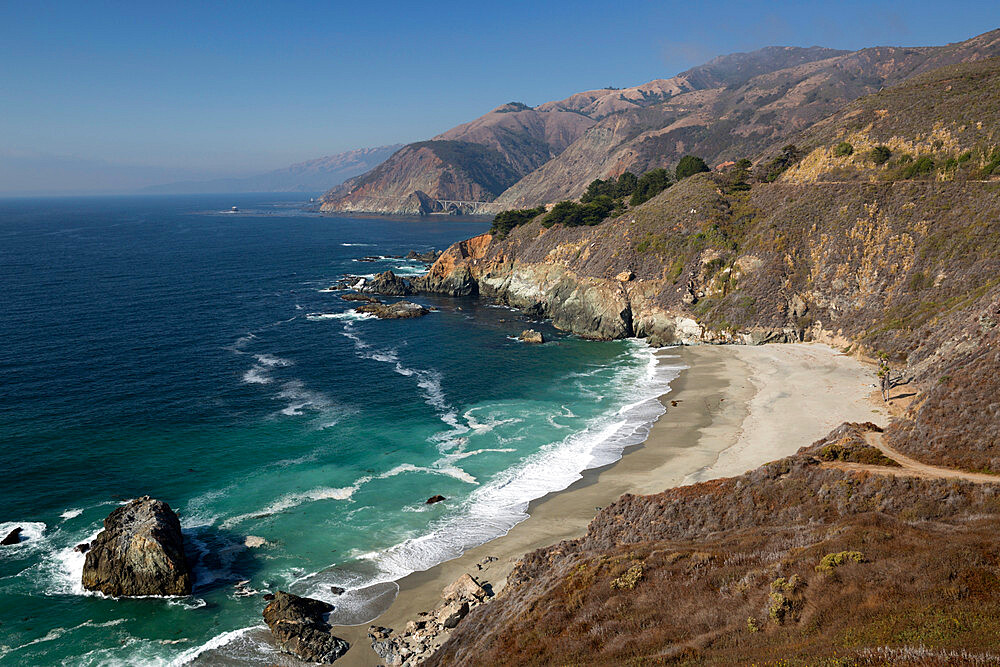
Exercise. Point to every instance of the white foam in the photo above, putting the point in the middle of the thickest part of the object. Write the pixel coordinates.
(257, 375)
(290, 500)
(272, 361)
(351, 315)
(349, 245)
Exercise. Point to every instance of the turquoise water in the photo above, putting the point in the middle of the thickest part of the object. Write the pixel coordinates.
(158, 346)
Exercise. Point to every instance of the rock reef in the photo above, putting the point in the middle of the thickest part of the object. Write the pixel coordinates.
(299, 627)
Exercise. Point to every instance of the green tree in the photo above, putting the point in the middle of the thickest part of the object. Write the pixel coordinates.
(505, 221)
(650, 184)
(843, 149)
(880, 154)
(626, 185)
(689, 166)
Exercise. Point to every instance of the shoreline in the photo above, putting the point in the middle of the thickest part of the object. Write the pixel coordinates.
(733, 409)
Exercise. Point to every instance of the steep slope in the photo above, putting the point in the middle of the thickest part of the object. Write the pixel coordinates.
(417, 179)
(732, 120)
(316, 175)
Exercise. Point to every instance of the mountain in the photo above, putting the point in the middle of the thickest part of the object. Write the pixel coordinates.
(518, 139)
(801, 558)
(311, 176)
(731, 120)
(734, 106)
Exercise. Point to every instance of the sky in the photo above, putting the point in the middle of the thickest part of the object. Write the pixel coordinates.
(111, 96)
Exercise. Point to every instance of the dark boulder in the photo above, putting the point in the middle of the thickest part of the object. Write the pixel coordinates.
(139, 552)
(359, 297)
(82, 548)
(13, 537)
(393, 311)
(336, 590)
(388, 284)
(299, 627)
(435, 499)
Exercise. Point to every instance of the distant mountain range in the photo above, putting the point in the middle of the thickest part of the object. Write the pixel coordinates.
(731, 107)
(316, 175)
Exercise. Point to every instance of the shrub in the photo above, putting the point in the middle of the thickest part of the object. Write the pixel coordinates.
(922, 165)
(880, 154)
(843, 149)
(629, 580)
(689, 166)
(834, 560)
(770, 171)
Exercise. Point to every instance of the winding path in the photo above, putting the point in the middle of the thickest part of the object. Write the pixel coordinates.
(910, 467)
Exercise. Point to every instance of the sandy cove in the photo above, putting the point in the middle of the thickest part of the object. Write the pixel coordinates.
(733, 409)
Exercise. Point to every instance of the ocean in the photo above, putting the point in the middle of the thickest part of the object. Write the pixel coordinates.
(164, 346)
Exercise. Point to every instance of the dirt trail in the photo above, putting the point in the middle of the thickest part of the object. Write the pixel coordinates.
(910, 467)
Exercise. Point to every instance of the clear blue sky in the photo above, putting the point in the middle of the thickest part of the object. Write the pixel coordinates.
(138, 92)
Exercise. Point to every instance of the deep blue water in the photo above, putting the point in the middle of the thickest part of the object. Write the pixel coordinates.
(155, 345)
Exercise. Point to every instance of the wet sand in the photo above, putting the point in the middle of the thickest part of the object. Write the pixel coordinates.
(734, 409)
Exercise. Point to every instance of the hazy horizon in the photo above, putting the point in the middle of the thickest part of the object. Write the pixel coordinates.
(116, 98)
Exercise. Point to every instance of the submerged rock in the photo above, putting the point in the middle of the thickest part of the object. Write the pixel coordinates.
(139, 552)
(299, 627)
(13, 537)
(389, 284)
(254, 542)
(531, 336)
(359, 297)
(394, 311)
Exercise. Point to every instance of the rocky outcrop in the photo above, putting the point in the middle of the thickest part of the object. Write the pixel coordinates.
(299, 627)
(428, 257)
(13, 537)
(531, 336)
(359, 297)
(394, 311)
(435, 499)
(388, 283)
(139, 552)
(424, 635)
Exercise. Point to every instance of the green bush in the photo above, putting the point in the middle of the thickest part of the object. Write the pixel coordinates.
(880, 154)
(689, 166)
(835, 560)
(770, 171)
(843, 149)
(922, 165)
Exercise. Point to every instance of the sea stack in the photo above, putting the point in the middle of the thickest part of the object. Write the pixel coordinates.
(139, 552)
(299, 627)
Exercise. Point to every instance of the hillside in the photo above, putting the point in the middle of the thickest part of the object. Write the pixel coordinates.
(735, 120)
(809, 559)
(316, 175)
(524, 139)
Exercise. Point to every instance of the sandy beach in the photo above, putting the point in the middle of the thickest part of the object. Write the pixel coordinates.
(733, 409)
